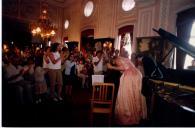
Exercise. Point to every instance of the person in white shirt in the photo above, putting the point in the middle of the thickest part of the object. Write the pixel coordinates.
(29, 70)
(16, 81)
(82, 73)
(98, 63)
(46, 58)
(40, 83)
(46, 63)
(55, 74)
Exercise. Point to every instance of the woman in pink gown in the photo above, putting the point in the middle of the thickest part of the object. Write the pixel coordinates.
(130, 105)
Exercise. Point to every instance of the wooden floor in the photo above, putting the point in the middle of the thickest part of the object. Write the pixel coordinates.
(72, 111)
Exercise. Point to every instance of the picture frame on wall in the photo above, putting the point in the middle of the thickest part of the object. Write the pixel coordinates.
(159, 49)
(151, 46)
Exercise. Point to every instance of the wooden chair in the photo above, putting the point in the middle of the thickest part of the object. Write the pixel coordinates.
(102, 99)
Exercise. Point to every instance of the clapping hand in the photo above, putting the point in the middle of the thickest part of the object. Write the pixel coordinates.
(109, 65)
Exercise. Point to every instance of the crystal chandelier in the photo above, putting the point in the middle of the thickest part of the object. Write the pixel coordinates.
(43, 27)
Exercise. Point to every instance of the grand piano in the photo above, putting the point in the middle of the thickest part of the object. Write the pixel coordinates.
(170, 93)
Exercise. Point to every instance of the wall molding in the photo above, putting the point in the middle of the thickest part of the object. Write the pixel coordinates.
(164, 13)
(146, 17)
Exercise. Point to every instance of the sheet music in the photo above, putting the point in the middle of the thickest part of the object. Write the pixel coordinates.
(97, 78)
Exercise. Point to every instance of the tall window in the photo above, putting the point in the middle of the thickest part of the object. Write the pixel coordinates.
(188, 59)
(124, 39)
(127, 5)
(88, 8)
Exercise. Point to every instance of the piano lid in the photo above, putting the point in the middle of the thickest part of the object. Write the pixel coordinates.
(184, 46)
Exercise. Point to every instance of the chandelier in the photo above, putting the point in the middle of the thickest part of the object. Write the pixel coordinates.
(43, 26)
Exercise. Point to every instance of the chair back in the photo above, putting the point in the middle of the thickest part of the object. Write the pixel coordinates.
(102, 99)
(103, 94)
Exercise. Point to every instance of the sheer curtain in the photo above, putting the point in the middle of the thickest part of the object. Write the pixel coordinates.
(119, 42)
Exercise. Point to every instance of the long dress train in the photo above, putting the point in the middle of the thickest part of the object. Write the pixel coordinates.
(130, 105)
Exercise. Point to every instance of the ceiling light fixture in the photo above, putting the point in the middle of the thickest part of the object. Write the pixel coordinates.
(43, 26)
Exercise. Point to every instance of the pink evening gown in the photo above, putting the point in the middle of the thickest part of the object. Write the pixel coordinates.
(130, 105)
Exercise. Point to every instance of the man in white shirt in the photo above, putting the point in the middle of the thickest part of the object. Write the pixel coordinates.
(98, 63)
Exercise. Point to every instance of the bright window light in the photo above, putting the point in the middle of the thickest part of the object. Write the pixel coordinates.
(66, 24)
(88, 8)
(188, 59)
(127, 5)
(49, 43)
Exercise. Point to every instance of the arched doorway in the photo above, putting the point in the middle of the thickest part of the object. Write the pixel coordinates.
(87, 43)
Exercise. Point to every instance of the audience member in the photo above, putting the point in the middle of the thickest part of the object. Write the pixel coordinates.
(55, 74)
(68, 79)
(46, 62)
(14, 75)
(98, 63)
(82, 73)
(40, 83)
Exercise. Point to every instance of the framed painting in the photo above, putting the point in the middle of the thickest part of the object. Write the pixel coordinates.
(151, 46)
